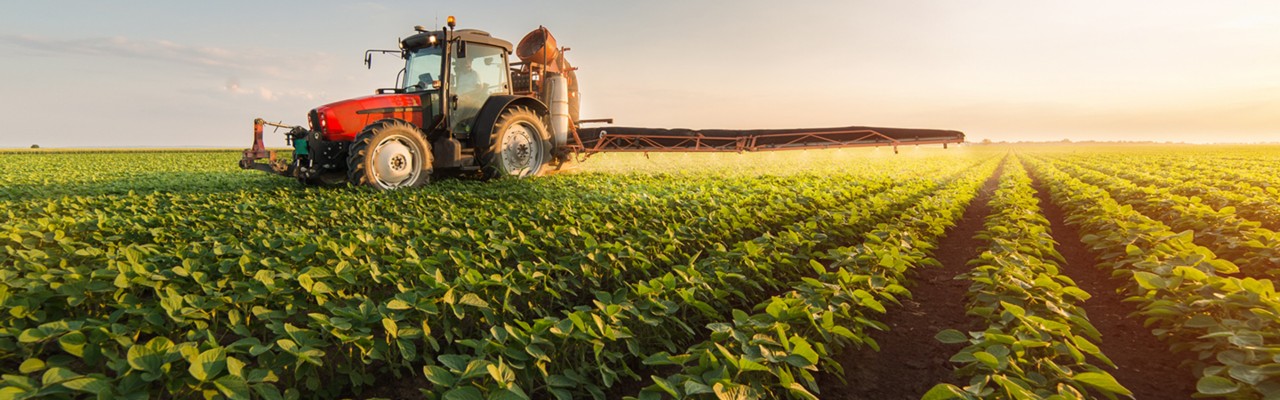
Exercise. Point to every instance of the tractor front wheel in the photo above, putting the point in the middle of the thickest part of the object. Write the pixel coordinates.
(389, 155)
(519, 145)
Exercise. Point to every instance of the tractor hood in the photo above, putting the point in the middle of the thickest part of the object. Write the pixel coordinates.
(343, 120)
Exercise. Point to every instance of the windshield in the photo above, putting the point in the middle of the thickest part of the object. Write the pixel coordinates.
(422, 67)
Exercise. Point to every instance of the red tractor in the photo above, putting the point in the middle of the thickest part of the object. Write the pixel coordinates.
(463, 106)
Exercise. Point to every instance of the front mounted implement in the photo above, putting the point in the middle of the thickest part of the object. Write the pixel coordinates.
(259, 150)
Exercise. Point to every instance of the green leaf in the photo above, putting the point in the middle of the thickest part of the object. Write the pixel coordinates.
(439, 376)
(57, 375)
(208, 364)
(797, 390)
(989, 360)
(234, 387)
(501, 373)
(747, 365)
(1190, 274)
(235, 366)
(151, 356)
(464, 393)
(1014, 309)
(817, 267)
(776, 308)
(561, 381)
(32, 335)
(693, 387)
(951, 336)
(73, 343)
(1076, 292)
(1246, 339)
(802, 348)
(267, 391)
(391, 327)
(1149, 280)
(13, 392)
(561, 394)
(455, 362)
(509, 394)
(1102, 381)
(475, 368)
(473, 300)
(31, 365)
(1223, 266)
(943, 391)
(88, 384)
(1216, 386)
(665, 386)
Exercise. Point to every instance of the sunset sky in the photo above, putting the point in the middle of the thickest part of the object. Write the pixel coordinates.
(133, 73)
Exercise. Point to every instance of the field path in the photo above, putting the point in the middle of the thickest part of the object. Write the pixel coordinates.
(1146, 366)
(910, 360)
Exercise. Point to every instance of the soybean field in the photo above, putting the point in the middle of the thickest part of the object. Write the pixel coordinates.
(979, 272)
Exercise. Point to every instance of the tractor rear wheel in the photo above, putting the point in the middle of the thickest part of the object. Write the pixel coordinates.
(519, 145)
(389, 155)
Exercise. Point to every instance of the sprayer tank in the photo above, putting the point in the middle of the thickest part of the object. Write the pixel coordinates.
(558, 97)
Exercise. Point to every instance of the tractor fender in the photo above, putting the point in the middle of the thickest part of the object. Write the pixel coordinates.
(482, 131)
(390, 121)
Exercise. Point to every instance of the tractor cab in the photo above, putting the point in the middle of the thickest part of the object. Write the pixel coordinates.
(468, 65)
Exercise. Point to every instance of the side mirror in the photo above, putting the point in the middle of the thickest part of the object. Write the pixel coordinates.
(462, 49)
(368, 56)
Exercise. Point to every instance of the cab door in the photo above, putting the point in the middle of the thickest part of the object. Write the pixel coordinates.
(475, 77)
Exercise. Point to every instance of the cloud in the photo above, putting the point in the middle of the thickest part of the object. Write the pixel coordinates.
(220, 61)
(279, 69)
(234, 88)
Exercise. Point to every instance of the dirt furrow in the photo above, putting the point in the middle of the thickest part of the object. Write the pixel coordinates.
(910, 360)
(1145, 364)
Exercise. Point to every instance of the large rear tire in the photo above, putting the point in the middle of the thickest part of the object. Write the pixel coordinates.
(389, 155)
(519, 145)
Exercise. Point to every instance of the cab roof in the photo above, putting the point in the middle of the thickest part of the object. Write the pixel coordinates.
(468, 35)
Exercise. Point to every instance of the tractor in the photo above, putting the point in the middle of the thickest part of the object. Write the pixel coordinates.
(462, 106)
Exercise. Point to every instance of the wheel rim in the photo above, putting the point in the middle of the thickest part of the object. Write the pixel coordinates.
(521, 150)
(396, 162)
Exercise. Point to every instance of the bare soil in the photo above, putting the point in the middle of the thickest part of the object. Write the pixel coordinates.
(910, 360)
(1146, 366)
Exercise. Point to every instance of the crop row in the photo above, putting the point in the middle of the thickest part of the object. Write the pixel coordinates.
(1223, 168)
(1231, 324)
(1219, 189)
(1038, 342)
(773, 348)
(1255, 249)
(657, 316)
(600, 340)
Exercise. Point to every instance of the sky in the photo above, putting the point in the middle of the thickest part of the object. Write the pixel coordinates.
(195, 74)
